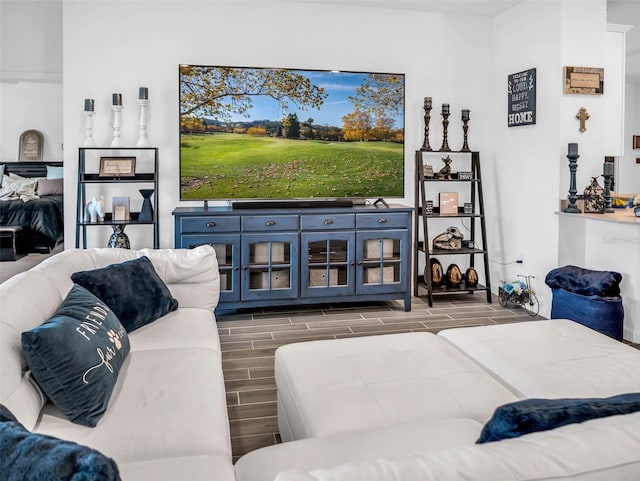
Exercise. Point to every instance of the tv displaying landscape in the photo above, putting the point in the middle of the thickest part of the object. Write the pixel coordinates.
(273, 133)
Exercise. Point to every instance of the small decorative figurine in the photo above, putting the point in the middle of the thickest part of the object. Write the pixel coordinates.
(445, 172)
(451, 239)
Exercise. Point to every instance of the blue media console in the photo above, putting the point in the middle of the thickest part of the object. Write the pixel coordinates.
(292, 256)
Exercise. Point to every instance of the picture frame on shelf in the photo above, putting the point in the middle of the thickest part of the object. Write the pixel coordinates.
(117, 167)
(121, 211)
(448, 203)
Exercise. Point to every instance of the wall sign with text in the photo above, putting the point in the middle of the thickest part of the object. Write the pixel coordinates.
(521, 95)
(584, 80)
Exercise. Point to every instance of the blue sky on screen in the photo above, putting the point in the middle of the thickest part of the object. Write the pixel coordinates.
(338, 85)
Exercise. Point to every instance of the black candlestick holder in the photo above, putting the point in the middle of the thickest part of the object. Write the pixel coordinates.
(608, 208)
(572, 208)
(445, 126)
(427, 118)
(465, 129)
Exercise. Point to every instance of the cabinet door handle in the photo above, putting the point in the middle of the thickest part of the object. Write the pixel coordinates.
(244, 268)
(328, 221)
(211, 224)
(382, 220)
(359, 263)
(269, 223)
(236, 268)
(353, 263)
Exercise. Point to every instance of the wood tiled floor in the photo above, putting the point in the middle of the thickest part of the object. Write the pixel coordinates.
(249, 340)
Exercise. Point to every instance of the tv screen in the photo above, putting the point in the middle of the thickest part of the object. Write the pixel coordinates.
(274, 133)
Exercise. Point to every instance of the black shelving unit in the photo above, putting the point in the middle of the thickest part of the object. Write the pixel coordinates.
(85, 178)
(424, 190)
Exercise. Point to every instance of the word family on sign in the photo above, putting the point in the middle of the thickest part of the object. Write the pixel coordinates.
(521, 93)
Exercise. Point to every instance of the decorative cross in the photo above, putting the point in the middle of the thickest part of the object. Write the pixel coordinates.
(583, 116)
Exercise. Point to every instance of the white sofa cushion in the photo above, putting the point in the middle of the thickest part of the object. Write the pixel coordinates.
(383, 442)
(180, 468)
(186, 327)
(599, 450)
(167, 403)
(327, 387)
(552, 358)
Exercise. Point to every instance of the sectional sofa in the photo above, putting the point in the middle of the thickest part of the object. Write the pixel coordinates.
(167, 417)
(393, 407)
(412, 406)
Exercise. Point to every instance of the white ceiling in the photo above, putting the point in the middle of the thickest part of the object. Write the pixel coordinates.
(484, 8)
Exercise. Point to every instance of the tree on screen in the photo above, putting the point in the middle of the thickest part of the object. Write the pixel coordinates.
(219, 92)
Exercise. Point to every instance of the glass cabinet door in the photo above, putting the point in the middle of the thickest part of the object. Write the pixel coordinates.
(379, 259)
(227, 247)
(269, 266)
(327, 264)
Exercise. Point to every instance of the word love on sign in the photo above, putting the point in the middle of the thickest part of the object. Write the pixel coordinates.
(521, 94)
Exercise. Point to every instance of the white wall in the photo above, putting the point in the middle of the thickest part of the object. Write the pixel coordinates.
(529, 172)
(442, 56)
(30, 75)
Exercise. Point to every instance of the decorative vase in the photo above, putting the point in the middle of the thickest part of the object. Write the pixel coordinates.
(119, 238)
(146, 212)
(636, 211)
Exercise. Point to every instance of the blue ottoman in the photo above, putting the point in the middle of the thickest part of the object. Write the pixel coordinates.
(602, 314)
(591, 298)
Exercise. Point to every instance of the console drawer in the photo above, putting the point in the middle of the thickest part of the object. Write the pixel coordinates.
(381, 221)
(327, 221)
(209, 224)
(265, 223)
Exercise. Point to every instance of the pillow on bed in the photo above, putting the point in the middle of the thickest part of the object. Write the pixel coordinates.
(16, 184)
(132, 289)
(76, 356)
(50, 186)
(54, 172)
(36, 457)
(531, 415)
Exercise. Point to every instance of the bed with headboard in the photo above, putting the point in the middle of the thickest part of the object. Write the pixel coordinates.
(41, 215)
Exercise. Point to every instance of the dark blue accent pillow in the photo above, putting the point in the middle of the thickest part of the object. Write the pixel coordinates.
(531, 415)
(132, 289)
(76, 356)
(36, 457)
(585, 281)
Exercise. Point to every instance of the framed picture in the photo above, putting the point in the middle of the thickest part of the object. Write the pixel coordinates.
(120, 210)
(583, 80)
(448, 203)
(636, 141)
(117, 166)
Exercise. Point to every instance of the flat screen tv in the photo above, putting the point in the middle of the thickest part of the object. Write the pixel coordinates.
(275, 133)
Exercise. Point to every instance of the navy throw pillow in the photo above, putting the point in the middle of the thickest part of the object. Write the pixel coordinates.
(36, 457)
(76, 356)
(132, 289)
(531, 415)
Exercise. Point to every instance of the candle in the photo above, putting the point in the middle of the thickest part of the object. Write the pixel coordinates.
(88, 105)
(427, 102)
(143, 93)
(445, 108)
(573, 149)
(116, 99)
(465, 114)
(608, 168)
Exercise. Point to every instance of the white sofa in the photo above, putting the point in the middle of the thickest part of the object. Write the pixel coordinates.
(411, 407)
(167, 417)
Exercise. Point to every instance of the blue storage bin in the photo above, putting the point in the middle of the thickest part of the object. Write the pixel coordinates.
(603, 314)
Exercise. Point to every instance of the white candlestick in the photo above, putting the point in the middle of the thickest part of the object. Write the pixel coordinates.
(143, 141)
(88, 130)
(117, 122)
